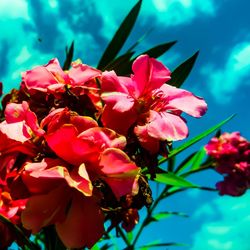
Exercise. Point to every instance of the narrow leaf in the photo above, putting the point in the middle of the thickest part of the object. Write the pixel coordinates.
(120, 37)
(119, 62)
(173, 180)
(165, 215)
(185, 163)
(126, 68)
(194, 162)
(69, 56)
(161, 245)
(180, 74)
(159, 49)
(198, 159)
(195, 139)
(18, 233)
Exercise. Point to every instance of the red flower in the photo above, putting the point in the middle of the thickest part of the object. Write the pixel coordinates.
(61, 189)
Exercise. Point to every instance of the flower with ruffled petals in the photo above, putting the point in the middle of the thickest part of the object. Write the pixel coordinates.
(80, 140)
(231, 153)
(62, 190)
(15, 134)
(51, 78)
(63, 198)
(146, 102)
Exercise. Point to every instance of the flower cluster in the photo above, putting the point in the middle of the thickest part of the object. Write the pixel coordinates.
(73, 143)
(231, 153)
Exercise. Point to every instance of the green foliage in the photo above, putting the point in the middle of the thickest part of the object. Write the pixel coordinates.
(69, 56)
(180, 74)
(159, 50)
(157, 245)
(120, 37)
(193, 162)
(173, 180)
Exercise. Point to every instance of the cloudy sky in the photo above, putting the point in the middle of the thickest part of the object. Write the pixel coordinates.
(32, 32)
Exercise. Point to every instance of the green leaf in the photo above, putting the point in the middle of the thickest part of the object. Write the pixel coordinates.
(118, 64)
(126, 68)
(185, 163)
(161, 245)
(195, 139)
(120, 37)
(194, 162)
(69, 56)
(159, 49)
(173, 180)
(165, 215)
(180, 74)
(130, 236)
(18, 233)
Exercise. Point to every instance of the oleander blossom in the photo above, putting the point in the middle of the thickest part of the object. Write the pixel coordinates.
(231, 153)
(145, 102)
(62, 187)
(73, 142)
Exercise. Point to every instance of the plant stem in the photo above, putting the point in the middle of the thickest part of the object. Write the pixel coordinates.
(125, 239)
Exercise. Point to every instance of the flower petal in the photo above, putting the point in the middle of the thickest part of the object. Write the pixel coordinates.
(81, 73)
(83, 226)
(148, 142)
(166, 126)
(44, 210)
(103, 138)
(149, 74)
(65, 144)
(119, 122)
(119, 172)
(184, 100)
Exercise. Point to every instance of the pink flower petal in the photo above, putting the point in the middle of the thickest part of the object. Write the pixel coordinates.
(16, 131)
(39, 79)
(120, 102)
(44, 210)
(21, 112)
(81, 73)
(184, 100)
(83, 226)
(121, 173)
(119, 122)
(148, 142)
(103, 138)
(65, 144)
(166, 126)
(149, 74)
(112, 83)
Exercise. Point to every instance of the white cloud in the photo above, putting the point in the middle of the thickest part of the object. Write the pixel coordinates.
(14, 9)
(165, 12)
(226, 225)
(25, 52)
(224, 81)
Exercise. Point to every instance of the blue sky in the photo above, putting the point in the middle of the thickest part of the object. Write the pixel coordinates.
(32, 32)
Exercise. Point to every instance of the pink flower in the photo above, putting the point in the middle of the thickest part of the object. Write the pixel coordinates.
(147, 103)
(15, 134)
(61, 188)
(50, 78)
(232, 158)
(80, 140)
(15, 113)
(64, 199)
